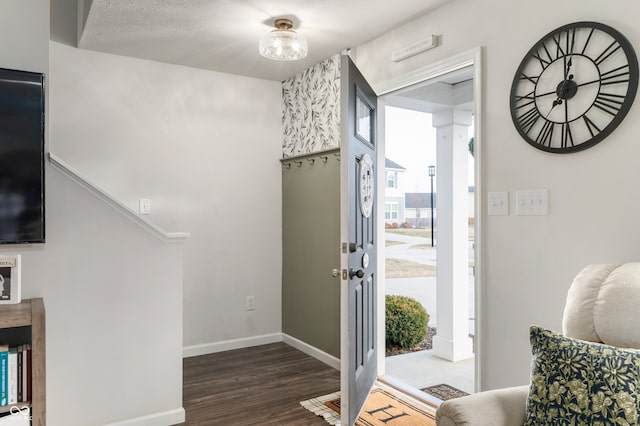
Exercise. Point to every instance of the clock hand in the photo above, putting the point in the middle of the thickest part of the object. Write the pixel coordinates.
(564, 83)
(568, 67)
(561, 91)
(555, 104)
(553, 92)
(589, 82)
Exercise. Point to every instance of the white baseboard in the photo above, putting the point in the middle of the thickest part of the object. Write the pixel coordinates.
(328, 359)
(228, 345)
(172, 417)
(265, 339)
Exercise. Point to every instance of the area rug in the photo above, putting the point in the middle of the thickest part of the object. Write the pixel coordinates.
(381, 408)
(444, 392)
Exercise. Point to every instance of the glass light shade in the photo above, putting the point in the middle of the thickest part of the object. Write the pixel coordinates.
(283, 45)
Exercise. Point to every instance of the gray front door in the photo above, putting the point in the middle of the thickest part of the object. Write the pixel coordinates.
(358, 232)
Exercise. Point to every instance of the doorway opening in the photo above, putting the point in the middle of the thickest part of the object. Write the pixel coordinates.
(429, 211)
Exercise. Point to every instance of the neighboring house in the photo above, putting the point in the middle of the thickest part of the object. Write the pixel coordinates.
(394, 193)
(417, 207)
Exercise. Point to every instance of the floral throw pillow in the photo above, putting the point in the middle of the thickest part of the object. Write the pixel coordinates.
(574, 382)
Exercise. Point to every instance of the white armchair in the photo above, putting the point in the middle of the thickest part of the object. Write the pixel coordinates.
(603, 305)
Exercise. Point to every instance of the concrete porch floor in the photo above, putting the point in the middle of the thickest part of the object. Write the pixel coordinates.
(422, 369)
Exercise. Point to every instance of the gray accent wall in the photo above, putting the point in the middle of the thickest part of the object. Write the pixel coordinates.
(311, 243)
(311, 206)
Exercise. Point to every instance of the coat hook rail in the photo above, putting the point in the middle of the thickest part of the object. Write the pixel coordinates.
(311, 158)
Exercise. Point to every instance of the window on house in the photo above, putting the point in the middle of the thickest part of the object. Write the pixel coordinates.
(392, 179)
(391, 211)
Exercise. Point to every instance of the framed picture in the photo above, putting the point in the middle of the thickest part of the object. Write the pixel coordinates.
(10, 285)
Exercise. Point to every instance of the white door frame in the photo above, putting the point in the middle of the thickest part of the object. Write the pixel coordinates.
(473, 58)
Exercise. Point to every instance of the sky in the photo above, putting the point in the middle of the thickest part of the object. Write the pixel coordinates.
(410, 141)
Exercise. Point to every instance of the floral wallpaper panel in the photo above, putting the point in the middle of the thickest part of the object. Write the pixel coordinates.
(311, 109)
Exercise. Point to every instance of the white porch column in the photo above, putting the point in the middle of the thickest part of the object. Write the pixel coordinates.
(452, 340)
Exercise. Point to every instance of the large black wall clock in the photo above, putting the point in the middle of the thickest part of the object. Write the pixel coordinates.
(574, 87)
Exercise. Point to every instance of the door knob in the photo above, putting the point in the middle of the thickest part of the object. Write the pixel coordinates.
(335, 273)
(359, 273)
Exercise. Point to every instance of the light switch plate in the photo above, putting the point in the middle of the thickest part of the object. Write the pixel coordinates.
(532, 202)
(145, 206)
(498, 203)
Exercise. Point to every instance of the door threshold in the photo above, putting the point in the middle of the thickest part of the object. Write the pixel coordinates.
(416, 394)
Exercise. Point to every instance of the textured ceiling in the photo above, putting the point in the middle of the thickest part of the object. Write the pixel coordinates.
(222, 35)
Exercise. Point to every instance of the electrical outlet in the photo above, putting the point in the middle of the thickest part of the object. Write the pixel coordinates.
(251, 303)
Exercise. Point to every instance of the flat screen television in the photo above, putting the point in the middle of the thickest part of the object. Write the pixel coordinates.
(21, 157)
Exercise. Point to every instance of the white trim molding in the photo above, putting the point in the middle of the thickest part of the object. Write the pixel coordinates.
(228, 345)
(328, 359)
(171, 417)
(437, 69)
(152, 228)
(472, 57)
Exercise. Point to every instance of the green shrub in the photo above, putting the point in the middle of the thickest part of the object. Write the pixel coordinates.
(406, 322)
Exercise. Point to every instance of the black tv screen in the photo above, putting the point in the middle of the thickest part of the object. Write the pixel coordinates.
(21, 157)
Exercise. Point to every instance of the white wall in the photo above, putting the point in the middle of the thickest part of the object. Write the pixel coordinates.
(112, 293)
(204, 147)
(594, 198)
(113, 300)
(24, 27)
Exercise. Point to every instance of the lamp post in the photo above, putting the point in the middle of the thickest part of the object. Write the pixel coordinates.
(432, 173)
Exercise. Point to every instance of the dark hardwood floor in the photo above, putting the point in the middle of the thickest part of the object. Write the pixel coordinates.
(262, 385)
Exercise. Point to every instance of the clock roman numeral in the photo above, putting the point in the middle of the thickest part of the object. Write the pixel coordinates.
(616, 75)
(571, 40)
(559, 51)
(586, 43)
(591, 126)
(543, 62)
(528, 102)
(546, 133)
(532, 79)
(523, 101)
(610, 50)
(566, 137)
(609, 103)
(528, 119)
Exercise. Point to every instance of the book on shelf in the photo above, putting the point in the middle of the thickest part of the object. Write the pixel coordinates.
(26, 372)
(15, 374)
(12, 376)
(4, 361)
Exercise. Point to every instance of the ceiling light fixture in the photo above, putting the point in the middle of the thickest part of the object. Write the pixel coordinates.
(283, 44)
